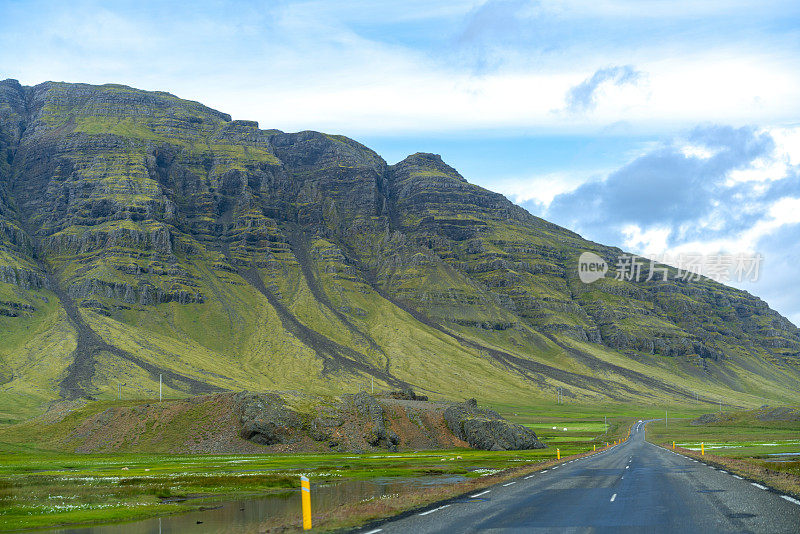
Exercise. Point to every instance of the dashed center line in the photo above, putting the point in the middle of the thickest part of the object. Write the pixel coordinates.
(434, 510)
(627, 467)
(509, 483)
(529, 476)
(737, 476)
(481, 493)
(543, 471)
(374, 531)
(759, 486)
(613, 497)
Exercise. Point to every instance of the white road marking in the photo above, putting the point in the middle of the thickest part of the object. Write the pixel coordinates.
(627, 467)
(759, 486)
(374, 531)
(613, 497)
(434, 510)
(543, 471)
(723, 471)
(790, 499)
(509, 483)
(481, 493)
(737, 476)
(556, 467)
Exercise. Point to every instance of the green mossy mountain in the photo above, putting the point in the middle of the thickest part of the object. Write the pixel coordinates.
(145, 235)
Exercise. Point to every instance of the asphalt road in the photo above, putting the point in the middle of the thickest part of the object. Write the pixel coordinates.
(633, 487)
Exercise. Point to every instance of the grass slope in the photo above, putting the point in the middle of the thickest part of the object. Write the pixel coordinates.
(223, 256)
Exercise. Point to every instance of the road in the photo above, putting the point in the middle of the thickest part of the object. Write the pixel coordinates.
(633, 487)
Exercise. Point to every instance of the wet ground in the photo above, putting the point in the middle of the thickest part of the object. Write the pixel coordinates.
(253, 515)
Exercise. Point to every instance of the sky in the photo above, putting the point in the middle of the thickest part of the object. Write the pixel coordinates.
(660, 127)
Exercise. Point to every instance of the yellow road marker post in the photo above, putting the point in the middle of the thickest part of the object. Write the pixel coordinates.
(558, 454)
(305, 490)
(673, 445)
(594, 447)
(702, 449)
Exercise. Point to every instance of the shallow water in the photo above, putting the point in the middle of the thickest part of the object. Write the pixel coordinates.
(252, 515)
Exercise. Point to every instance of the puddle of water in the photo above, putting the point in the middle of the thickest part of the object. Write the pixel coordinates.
(250, 515)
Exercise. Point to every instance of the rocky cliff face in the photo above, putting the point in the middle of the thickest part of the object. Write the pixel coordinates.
(236, 257)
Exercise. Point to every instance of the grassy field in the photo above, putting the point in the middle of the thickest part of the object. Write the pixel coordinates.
(752, 443)
(737, 434)
(40, 489)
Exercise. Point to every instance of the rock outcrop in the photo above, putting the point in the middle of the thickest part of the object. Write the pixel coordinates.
(363, 420)
(487, 430)
(265, 418)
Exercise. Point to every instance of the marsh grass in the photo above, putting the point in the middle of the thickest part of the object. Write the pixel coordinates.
(46, 489)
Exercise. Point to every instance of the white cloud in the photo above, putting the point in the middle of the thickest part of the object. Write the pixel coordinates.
(648, 242)
(309, 66)
(540, 189)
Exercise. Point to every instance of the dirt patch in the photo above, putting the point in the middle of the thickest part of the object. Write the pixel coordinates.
(420, 425)
(204, 424)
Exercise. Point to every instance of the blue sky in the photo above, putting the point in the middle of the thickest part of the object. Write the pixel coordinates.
(659, 127)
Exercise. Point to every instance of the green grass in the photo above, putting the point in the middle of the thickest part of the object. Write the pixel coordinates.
(739, 435)
(41, 488)
(47, 490)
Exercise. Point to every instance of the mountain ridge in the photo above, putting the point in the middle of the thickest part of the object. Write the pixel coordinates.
(159, 236)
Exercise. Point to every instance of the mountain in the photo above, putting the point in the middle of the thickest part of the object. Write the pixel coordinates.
(146, 236)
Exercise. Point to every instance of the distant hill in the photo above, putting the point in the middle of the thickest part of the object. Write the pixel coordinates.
(142, 235)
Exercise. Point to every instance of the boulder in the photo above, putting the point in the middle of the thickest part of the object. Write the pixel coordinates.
(487, 430)
(265, 418)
